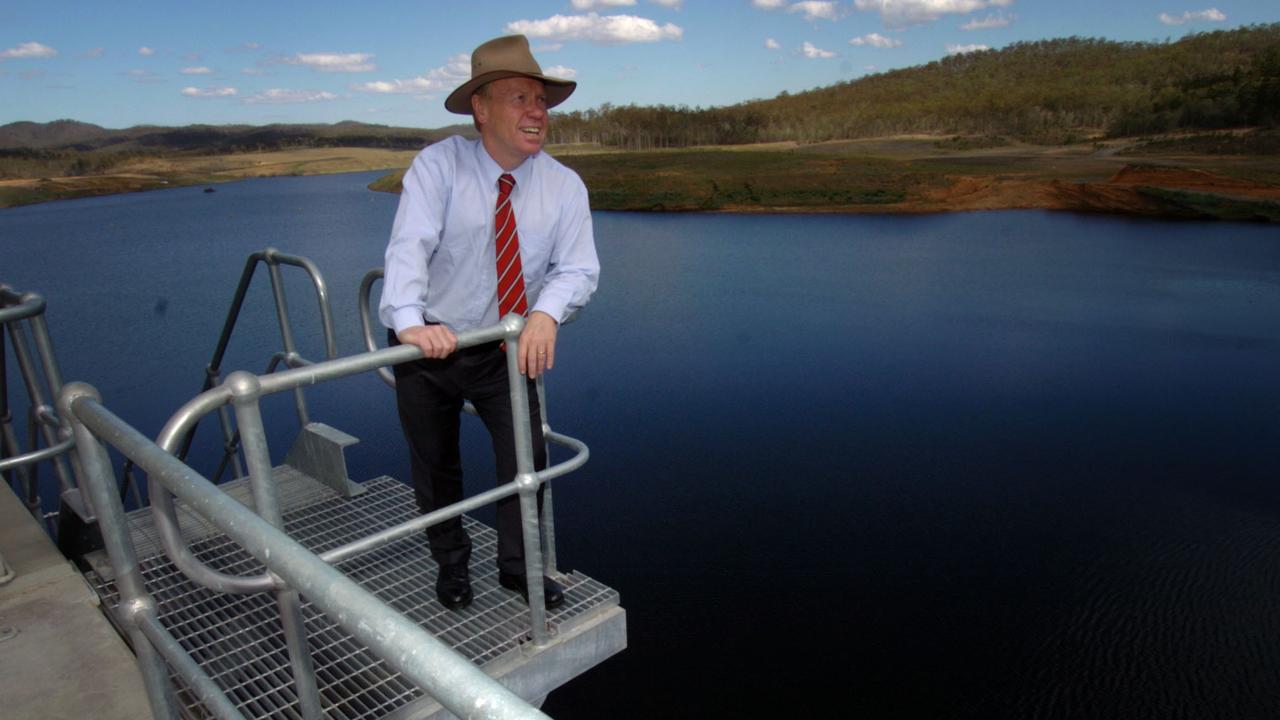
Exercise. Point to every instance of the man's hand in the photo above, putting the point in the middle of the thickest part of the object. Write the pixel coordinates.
(436, 341)
(538, 344)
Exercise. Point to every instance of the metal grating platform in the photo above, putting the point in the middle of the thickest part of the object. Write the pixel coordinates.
(237, 639)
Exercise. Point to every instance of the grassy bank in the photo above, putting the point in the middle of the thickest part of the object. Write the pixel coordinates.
(1175, 179)
(1234, 177)
(152, 173)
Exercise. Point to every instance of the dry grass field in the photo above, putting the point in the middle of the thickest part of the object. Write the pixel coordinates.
(159, 172)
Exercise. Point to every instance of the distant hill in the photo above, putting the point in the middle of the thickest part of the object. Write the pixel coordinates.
(1048, 91)
(1045, 92)
(52, 134)
(70, 135)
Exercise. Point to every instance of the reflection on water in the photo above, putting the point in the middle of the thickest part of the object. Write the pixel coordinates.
(986, 465)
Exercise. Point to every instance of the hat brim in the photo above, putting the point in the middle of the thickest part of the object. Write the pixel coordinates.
(459, 101)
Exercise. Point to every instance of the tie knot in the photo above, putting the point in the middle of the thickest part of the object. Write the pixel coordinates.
(505, 183)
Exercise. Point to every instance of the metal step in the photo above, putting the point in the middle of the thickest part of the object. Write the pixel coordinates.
(237, 639)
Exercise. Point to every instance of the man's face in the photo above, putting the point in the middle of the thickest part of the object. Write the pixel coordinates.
(512, 113)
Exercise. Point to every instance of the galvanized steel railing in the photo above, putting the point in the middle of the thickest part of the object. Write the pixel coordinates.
(291, 569)
(548, 435)
(81, 422)
(22, 314)
(289, 356)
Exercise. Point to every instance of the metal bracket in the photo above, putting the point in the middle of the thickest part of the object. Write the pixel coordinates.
(318, 452)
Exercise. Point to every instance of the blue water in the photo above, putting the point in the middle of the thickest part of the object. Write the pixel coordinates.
(983, 465)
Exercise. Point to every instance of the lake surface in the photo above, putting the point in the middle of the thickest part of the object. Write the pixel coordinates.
(983, 465)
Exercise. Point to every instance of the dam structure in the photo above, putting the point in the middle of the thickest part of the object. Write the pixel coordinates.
(287, 590)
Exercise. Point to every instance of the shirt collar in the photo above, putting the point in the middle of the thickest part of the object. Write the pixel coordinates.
(492, 170)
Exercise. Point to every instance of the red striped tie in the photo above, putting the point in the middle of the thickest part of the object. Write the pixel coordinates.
(510, 273)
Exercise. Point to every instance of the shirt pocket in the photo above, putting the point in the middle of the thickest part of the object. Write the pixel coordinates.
(535, 256)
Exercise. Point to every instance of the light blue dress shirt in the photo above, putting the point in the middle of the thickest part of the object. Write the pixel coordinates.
(440, 263)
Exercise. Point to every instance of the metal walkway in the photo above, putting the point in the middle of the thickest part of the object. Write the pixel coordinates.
(295, 592)
(238, 640)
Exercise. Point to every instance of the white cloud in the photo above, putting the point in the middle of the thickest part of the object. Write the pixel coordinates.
(208, 92)
(988, 22)
(603, 29)
(593, 4)
(198, 70)
(548, 47)
(560, 71)
(673, 4)
(334, 62)
(899, 13)
(28, 50)
(1210, 15)
(444, 78)
(962, 49)
(144, 76)
(817, 9)
(145, 51)
(812, 52)
(772, 44)
(876, 40)
(412, 86)
(769, 4)
(279, 96)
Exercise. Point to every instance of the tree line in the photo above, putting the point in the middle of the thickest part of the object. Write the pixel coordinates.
(1041, 91)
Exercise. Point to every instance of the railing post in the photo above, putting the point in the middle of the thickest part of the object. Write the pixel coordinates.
(548, 508)
(26, 367)
(286, 332)
(527, 482)
(245, 391)
(98, 478)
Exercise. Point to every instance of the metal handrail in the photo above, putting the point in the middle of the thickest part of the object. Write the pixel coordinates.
(366, 326)
(458, 685)
(548, 503)
(15, 308)
(165, 514)
(290, 356)
(273, 259)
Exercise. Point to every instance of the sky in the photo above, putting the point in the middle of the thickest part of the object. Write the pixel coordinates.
(392, 62)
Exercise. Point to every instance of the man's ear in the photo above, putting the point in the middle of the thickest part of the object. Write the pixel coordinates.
(478, 109)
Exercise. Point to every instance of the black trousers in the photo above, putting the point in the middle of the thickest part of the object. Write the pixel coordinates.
(429, 396)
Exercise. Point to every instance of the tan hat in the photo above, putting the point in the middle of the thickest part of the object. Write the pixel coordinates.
(502, 58)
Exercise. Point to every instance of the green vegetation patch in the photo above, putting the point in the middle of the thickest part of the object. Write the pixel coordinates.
(967, 142)
(391, 182)
(1260, 142)
(726, 180)
(1189, 204)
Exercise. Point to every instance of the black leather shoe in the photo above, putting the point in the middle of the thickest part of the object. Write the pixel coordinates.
(552, 593)
(453, 586)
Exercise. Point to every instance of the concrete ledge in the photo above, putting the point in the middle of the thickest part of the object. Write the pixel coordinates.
(62, 658)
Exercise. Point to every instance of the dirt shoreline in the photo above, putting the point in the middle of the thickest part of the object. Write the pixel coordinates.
(1039, 178)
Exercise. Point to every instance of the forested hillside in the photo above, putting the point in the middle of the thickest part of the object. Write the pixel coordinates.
(1046, 91)
(68, 147)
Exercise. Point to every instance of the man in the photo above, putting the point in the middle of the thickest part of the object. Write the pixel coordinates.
(479, 220)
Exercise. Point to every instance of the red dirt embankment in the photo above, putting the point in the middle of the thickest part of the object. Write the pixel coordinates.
(1122, 193)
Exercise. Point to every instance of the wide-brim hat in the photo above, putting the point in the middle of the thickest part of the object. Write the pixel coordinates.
(502, 58)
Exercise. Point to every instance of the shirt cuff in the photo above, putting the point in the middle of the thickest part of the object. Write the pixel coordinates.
(553, 306)
(406, 317)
